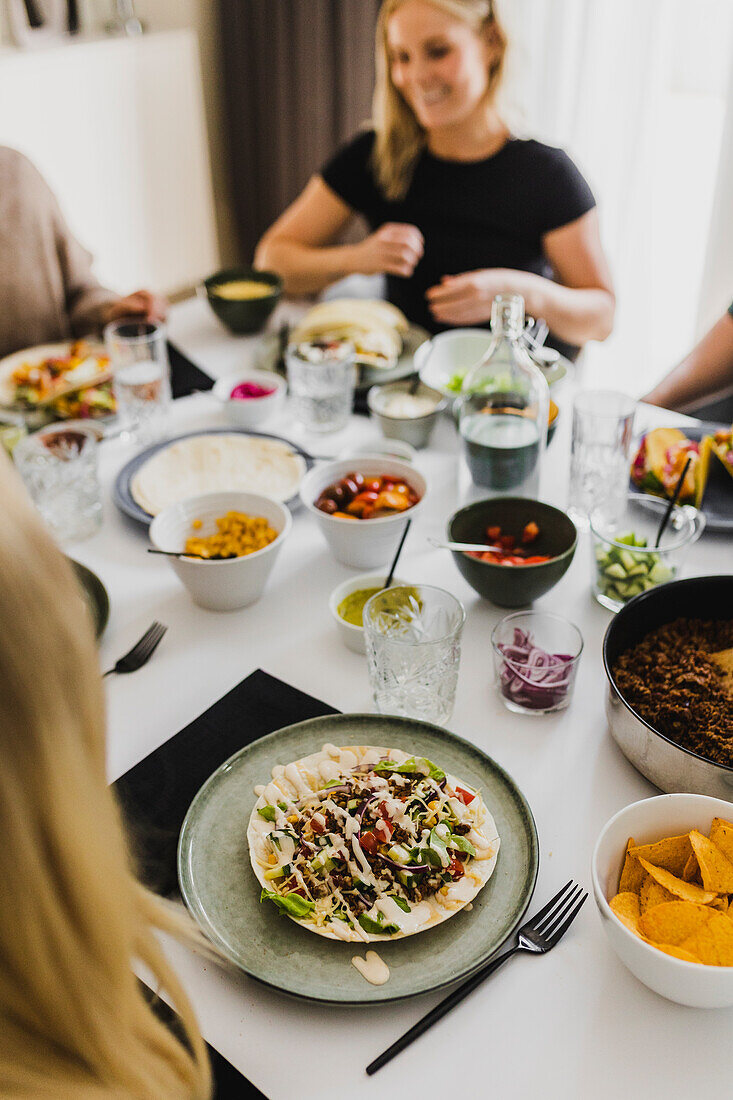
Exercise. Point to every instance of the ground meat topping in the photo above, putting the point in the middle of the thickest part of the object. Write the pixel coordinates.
(670, 680)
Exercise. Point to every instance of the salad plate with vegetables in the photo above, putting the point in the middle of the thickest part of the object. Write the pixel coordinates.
(406, 829)
(363, 843)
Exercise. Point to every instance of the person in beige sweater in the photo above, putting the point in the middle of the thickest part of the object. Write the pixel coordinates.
(47, 289)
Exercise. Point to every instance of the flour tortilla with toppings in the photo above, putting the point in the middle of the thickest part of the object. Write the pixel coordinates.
(299, 788)
(376, 328)
(217, 463)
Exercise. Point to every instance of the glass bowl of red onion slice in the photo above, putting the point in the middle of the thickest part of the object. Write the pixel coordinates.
(536, 656)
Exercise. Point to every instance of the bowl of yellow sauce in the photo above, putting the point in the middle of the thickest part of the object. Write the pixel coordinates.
(346, 605)
(242, 297)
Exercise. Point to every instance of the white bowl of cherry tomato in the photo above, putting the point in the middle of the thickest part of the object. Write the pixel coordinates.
(362, 505)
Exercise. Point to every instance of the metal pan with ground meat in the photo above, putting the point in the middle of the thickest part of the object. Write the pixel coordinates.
(670, 700)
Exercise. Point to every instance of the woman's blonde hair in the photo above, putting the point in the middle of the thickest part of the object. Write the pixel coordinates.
(73, 918)
(399, 136)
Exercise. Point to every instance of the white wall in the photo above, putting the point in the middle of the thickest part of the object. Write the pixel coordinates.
(201, 16)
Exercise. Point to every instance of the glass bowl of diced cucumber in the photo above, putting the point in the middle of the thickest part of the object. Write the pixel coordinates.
(625, 558)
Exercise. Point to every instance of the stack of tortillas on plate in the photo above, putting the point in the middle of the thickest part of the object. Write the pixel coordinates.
(374, 327)
(217, 463)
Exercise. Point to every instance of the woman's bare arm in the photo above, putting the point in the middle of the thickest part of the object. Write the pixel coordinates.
(704, 373)
(299, 245)
(579, 307)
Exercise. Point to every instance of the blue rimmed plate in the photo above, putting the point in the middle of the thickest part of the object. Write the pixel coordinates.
(122, 489)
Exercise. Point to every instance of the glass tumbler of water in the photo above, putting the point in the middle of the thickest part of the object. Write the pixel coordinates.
(603, 423)
(321, 380)
(139, 355)
(413, 645)
(58, 465)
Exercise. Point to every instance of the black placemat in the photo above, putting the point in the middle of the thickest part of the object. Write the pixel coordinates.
(186, 377)
(157, 792)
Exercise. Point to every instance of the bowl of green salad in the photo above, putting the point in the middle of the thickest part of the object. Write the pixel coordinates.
(625, 557)
(444, 361)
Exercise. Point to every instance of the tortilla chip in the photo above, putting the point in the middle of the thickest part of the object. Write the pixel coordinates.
(686, 891)
(721, 834)
(691, 872)
(626, 907)
(671, 853)
(713, 943)
(678, 952)
(653, 894)
(702, 931)
(716, 871)
(720, 903)
(632, 874)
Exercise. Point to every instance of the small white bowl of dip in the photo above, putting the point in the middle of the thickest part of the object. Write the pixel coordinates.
(245, 409)
(404, 415)
(352, 635)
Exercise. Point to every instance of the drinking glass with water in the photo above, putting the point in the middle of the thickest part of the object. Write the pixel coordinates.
(58, 465)
(139, 354)
(603, 424)
(413, 644)
(321, 380)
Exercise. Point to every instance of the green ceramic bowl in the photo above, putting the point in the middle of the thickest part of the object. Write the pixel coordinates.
(95, 596)
(514, 585)
(243, 315)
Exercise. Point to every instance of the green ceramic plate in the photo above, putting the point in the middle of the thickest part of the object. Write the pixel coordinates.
(222, 892)
(95, 596)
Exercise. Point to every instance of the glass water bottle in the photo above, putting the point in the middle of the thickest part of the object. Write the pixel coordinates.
(504, 408)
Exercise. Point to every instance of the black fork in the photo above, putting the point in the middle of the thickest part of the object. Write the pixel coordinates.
(142, 651)
(538, 935)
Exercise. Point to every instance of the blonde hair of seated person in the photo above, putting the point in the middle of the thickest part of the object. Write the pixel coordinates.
(73, 918)
(399, 136)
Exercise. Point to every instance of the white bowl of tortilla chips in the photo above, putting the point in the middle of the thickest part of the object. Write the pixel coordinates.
(663, 881)
(344, 843)
(229, 583)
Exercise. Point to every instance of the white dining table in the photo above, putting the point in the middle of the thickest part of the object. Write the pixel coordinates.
(571, 1024)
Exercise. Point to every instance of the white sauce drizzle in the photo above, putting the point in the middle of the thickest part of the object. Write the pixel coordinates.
(374, 969)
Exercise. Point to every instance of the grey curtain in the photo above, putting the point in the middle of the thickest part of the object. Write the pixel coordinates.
(298, 80)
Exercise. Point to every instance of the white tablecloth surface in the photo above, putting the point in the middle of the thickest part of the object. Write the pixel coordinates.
(572, 1024)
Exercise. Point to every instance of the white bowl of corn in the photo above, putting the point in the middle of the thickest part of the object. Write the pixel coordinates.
(236, 538)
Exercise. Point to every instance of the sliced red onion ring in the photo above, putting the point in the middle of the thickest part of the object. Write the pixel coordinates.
(413, 869)
(531, 676)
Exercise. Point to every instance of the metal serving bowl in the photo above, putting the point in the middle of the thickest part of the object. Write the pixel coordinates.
(666, 764)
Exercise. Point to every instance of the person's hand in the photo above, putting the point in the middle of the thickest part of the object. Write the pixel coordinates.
(143, 304)
(393, 249)
(466, 299)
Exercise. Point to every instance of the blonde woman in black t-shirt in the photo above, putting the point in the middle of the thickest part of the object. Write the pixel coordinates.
(460, 210)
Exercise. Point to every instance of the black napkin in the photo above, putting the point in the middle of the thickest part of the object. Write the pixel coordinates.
(185, 375)
(157, 792)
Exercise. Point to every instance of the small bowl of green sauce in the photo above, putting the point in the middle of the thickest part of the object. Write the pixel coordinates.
(346, 605)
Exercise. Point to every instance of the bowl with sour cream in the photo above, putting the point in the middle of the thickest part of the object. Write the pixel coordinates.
(404, 414)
